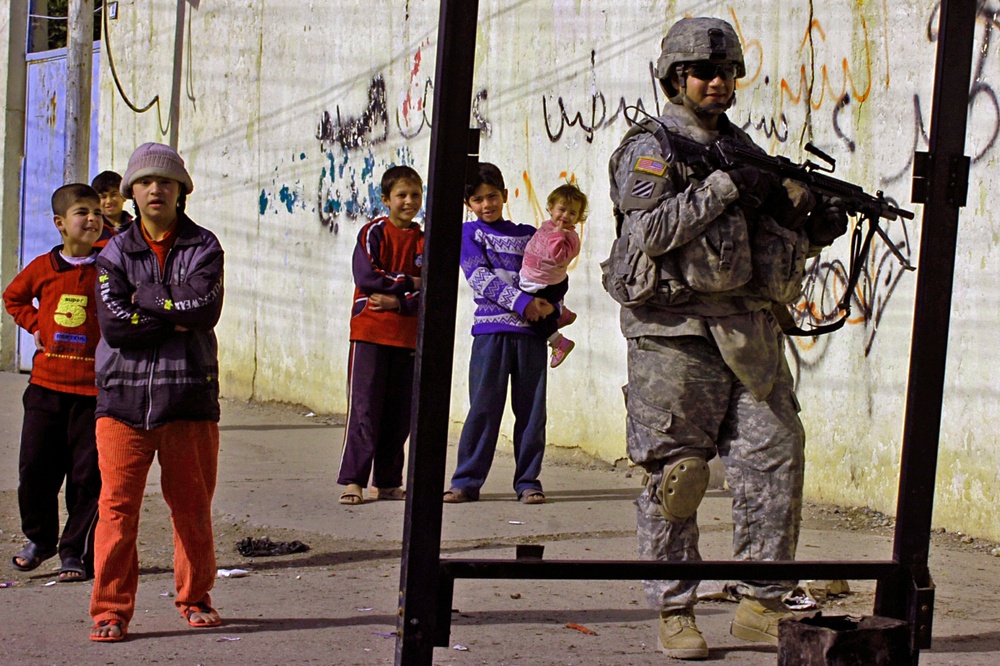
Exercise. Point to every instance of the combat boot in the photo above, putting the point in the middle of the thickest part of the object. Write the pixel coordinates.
(679, 635)
(757, 620)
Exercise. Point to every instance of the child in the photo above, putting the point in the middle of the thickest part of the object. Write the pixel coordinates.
(546, 258)
(159, 298)
(503, 346)
(57, 438)
(116, 219)
(387, 262)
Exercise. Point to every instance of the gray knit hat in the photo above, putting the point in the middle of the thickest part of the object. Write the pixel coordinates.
(155, 159)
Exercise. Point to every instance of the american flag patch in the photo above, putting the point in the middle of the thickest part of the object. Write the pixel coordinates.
(642, 189)
(651, 165)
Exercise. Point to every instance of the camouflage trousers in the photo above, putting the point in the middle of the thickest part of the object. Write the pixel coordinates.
(682, 400)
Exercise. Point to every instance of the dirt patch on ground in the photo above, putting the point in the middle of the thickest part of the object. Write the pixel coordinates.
(863, 519)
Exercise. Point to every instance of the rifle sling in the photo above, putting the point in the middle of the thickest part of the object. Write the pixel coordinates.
(859, 253)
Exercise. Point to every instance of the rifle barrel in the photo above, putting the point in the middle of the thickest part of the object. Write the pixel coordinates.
(727, 153)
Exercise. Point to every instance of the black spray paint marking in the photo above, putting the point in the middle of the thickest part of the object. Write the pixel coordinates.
(361, 131)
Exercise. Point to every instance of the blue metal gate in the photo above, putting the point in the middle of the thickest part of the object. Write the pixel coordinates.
(44, 153)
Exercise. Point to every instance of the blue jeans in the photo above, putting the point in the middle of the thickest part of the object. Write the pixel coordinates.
(495, 357)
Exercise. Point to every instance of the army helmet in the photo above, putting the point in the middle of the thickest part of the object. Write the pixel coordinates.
(698, 39)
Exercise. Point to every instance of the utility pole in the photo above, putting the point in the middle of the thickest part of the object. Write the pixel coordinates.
(79, 75)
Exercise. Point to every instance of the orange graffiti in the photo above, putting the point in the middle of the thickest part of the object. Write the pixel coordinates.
(532, 196)
(826, 85)
(751, 45)
(753, 55)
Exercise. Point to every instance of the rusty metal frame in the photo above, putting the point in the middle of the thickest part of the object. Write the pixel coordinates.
(905, 589)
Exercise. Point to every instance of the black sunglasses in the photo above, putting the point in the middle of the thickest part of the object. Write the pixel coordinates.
(707, 71)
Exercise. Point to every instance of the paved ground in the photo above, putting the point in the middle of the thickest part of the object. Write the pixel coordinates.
(336, 604)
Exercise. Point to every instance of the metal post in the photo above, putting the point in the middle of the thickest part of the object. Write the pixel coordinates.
(175, 87)
(435, 348)
(79, 66)
(940, 180)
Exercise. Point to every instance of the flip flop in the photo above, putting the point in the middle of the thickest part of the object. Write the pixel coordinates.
(352, 494)
(532, 497)
(109, 639)
(72, 570)
(457, 496)
(204, 609)
(33, 555)
(388, 494)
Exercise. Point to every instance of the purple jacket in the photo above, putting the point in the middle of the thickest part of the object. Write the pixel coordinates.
(148, 373)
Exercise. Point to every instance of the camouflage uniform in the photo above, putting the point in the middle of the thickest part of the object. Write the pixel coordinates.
(706, 368)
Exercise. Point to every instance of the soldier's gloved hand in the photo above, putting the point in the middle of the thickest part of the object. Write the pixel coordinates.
(754, 184)
(827, 223)
(790, 204)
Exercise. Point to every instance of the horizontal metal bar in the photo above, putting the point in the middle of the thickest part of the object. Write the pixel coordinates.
(648, 569)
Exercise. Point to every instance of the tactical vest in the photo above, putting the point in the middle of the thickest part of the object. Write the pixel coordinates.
(742, 254)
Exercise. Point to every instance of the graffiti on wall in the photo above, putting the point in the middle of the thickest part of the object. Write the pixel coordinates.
(827, 280)
(352, 142)
(824, 287)
(351, 150)
(368, 128)
(816, 85)
(984, 109)
(827, 86)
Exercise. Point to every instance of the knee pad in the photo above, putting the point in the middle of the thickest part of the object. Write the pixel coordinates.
(682, 487)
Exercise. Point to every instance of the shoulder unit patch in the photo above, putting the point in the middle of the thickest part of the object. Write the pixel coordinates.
(652, 165)
(642, 188)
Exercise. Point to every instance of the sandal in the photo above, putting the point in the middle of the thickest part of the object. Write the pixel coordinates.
(387, 493)
(352, 494)
(204, 609)
(457, 496)
(532, 497)
(72, 570)
(33, 555)
(109, 638)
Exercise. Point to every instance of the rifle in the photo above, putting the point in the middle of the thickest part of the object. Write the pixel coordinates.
(727, 153)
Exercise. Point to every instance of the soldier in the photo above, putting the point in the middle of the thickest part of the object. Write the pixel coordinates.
(701, 259)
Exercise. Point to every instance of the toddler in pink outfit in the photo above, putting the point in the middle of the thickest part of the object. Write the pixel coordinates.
(546, 258)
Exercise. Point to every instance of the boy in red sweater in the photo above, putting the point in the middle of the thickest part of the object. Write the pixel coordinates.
(387, 263)
(57, 437)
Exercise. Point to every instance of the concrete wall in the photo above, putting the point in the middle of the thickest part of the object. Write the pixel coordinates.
(288, 113)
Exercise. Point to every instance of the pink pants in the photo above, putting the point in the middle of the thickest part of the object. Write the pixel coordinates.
(188, 453)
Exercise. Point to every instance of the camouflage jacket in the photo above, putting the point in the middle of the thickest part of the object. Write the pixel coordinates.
(716, 273)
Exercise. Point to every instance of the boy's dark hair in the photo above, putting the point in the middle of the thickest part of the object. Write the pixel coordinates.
(69, 194)
(395, 174)
(106, 180)
(488, 174)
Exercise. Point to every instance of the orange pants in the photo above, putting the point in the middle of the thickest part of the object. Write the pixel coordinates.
(188, 452)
